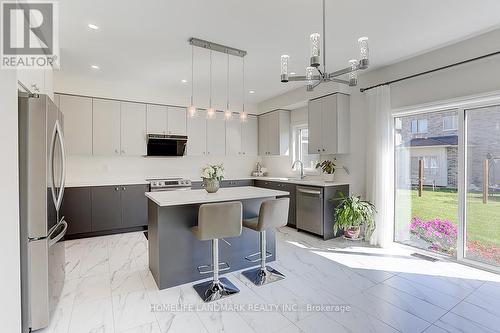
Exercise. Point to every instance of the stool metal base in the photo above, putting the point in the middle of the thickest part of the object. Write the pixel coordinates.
(211, 291)
(261, 277)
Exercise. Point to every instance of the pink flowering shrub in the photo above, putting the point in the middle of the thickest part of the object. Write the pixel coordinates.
(440, 234)
(489, 253)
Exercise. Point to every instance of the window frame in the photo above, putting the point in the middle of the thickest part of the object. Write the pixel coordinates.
(418, 126)
(297, 152)
(454, 123)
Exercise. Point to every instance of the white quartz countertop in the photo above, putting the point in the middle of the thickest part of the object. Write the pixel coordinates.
(177, 198)
(298, 181)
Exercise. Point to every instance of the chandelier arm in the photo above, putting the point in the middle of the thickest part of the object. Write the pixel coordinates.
(341, 72)
(315, 84)
(339, 81)
(297, 78)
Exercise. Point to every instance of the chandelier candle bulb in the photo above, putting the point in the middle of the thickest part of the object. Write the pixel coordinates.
(284, 68)
(314, 38)
(191, 111)
(353, 75)
(228, 114)
(243, 116)
(210, 113)
(363, 52)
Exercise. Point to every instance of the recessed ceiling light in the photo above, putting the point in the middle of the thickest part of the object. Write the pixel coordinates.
(251, 92)
(184, 81)
(94, 67)
(93, 26)
(292, 73)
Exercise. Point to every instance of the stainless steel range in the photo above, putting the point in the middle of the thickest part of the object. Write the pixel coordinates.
(169, 184)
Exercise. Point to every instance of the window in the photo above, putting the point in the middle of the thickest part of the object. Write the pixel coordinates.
(300, 149)
(450, 123)
(419, 126)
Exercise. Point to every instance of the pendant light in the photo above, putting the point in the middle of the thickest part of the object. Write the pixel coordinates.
(243, 114)
(210, 110)
(227, 114)
(192, 109)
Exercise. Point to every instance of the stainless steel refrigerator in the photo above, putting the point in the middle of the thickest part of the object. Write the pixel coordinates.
(42, 171)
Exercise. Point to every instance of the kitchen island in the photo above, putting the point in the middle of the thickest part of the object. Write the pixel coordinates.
(175, 253)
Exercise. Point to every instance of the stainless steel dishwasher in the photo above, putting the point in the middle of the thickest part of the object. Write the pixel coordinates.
(310, 209)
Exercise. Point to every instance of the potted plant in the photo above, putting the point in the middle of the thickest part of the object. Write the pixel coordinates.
(212, 174)
(327, 168)
(351, 214)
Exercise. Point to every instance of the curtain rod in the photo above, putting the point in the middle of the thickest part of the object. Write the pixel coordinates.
(430, 71)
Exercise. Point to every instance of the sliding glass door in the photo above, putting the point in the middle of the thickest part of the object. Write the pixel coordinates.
(482, 180)
(426, 166)
(447, 183)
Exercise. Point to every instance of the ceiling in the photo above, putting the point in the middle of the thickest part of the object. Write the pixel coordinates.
(146, 42)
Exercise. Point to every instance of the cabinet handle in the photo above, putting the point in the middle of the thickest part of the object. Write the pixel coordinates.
(244, 153)
(116, 188)
(123, 188)
(319, 149)
(323, 149)
(116, 151)
(123, 151)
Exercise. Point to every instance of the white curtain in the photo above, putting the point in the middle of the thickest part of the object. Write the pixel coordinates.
(380, 163)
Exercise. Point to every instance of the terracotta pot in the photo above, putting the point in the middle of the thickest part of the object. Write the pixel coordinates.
(211, 185)
(352, 232)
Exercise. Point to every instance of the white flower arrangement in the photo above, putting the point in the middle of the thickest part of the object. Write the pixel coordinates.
(214, 171)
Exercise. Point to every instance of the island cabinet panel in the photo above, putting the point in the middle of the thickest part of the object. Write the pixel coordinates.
(290, 188)
(134, 206)
(106, 208)
(76, 208)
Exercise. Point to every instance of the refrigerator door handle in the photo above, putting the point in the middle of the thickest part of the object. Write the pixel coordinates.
(63, 162)
(52, 239)
(51, 165)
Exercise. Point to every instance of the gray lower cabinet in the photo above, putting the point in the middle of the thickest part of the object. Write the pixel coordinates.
(196, 185)
(77, 209)
(102, 209)
(282, 187)
(106, 208)
(134, 206)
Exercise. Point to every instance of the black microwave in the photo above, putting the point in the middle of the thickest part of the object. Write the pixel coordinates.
(166, 145)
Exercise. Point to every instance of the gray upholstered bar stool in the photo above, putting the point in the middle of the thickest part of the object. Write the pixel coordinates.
(217, 220)
(272, 214)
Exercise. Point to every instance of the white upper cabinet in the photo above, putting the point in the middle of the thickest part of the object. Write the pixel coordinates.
(314, 123)
(249, 136)
(176, 124)
(329, 125)
(234, 136)
(77, 123)
(133, 129)
(197, 134)
(157, 116)
(106, 127)
(274, 133)
(216, 135)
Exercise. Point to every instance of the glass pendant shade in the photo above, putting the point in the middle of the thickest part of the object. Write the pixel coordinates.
(243, 116)
(314, 38)
(353, 76)
(309, 75)
(191, 111)
(284, 68)
(210, 112)
(363, 48)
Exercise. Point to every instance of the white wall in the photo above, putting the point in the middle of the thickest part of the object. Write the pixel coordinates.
(10, 288)
(83, 169)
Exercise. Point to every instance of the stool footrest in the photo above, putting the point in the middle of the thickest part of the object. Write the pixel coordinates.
(256, 257)
(206, 269)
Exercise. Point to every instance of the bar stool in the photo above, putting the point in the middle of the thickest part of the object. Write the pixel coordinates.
(272, 214)
(217, 220)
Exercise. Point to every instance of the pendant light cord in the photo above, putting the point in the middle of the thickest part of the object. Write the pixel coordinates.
(192, 74)
(324, 38)
(210, 85)
(227, 84)
(243, 85)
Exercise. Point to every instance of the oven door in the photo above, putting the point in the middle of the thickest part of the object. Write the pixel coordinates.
(167, 146)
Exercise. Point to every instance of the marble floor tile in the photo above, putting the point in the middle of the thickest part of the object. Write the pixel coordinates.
(424, 293)
(93, 316)
(454, 323)
(131, 310)
(109, 288)
(407, 302)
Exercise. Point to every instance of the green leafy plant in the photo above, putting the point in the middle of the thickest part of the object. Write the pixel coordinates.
(354, 212)
(326, 167)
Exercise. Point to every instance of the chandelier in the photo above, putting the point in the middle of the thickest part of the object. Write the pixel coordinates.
(312, 79)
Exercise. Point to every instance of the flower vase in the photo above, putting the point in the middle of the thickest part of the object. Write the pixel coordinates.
(211, 185)
(328, 177)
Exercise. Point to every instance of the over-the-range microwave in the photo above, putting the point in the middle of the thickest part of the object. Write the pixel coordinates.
(166, 145)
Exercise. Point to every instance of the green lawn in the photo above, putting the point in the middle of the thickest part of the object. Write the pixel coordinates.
(483, 220)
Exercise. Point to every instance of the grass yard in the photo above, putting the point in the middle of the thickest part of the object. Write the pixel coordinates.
(483, 221)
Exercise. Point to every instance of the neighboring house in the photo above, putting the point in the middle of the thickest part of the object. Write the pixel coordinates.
(432, 138)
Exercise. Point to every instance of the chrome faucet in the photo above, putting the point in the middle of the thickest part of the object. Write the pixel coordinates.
(302, 176)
